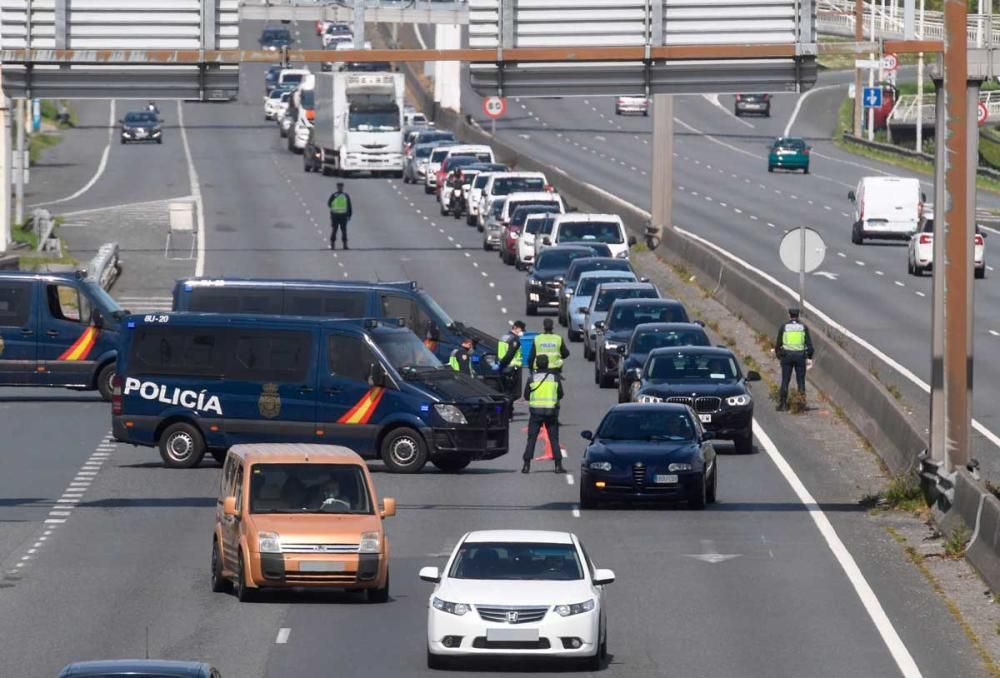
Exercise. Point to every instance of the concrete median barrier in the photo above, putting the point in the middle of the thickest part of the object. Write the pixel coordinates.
(984, 549)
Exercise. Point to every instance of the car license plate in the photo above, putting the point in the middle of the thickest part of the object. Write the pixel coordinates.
(662, 479)
(506, 635)
(705, 418)
(321, 566)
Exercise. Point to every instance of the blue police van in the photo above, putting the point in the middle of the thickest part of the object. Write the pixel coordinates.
(335, 299)
(191, 383)
(57, 329)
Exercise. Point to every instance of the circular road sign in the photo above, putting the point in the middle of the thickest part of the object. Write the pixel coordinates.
(890, 62)
(982, 113)
(790, 250)
(494, 107)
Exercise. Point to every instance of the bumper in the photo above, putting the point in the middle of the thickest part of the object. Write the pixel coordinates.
(753, 108)
(373, 161)
(576, 322)
(544, 296)
(730, 424)
(470, 635)
(623, 487)
(632, 108)
(353, 571)
(474, 443)
(491, 237)
(788, 162)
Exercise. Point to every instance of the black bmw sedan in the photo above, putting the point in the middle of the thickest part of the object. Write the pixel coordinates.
(710, 382)
(649, 453)
(646, 337)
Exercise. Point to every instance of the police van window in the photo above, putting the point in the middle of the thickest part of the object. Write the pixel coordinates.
(268, 356)
(15, 304)
(214, 300)
(349, 358)
(394, 306)
(189, 351)
(325, 303)
(66, 303)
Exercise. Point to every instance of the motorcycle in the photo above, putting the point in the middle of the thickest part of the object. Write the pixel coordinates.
(457, 202)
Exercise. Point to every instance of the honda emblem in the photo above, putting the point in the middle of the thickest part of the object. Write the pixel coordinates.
(511, 616)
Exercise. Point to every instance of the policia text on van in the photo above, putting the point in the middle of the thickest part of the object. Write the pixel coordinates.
(191, 382)
(57, 329)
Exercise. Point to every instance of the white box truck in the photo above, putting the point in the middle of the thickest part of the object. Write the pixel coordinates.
(358, 125)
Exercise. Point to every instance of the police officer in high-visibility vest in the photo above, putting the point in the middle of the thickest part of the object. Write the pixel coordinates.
(550, 344)
(509, 355)
(543, 394)
(793, 347)
(461, 358)
(340, 213)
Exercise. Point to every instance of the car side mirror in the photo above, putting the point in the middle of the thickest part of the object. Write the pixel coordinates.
(707, 435)
(753, 376)
(644, 279)
(699, 323)
(603, 577)
(623, 349)
(431, 574)
(600, 325)
(632, 240)
(587, 435)
(229, 506)
(546, 241)
(923, 197)
(850, 196)
(388, 507)
(633, 374)
(583, 309)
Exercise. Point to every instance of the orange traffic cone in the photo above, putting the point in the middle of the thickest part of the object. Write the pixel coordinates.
(544, 434)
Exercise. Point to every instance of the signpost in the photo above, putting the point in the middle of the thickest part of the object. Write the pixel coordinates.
(982, 112)
(494, 107)
(802, 251)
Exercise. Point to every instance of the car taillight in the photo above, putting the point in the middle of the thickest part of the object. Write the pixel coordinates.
(739, 97)
(979, 241)
(925, 239)
(116, 394)
(310, 115)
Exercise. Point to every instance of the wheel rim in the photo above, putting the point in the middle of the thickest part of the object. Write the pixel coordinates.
(180, 446)
(215, 563)
(404, 451)
(109, 382)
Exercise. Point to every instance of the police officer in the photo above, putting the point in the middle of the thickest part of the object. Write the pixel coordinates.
(461, 358)
(340, 213)
(550, 344)
(543, 394)
(793, 347)
(509, 354)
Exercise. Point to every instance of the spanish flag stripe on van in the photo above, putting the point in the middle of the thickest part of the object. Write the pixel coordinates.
(81, 347)
(364, 408)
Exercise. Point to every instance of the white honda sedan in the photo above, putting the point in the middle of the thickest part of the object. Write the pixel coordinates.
(526, 593)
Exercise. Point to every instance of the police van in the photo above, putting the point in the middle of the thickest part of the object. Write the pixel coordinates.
(57, 329)
(334, 299)
(190, 383)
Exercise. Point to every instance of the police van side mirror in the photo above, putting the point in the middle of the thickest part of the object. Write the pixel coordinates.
(377, 376)
(97, 319)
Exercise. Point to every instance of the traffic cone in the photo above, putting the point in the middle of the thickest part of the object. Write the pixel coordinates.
(544, 434)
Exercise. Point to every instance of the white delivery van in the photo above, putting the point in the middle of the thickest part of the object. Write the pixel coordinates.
(886, 208)
(578, 226)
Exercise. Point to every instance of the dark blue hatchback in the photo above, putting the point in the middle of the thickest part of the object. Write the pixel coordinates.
(139, 668)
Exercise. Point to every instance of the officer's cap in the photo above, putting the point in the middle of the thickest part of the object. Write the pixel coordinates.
(519, 324)
(340, 184)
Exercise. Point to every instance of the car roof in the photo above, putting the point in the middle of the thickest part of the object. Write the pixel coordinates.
(644, 302)
(544, 196)
(130, 666)
(667, 327)
(544, 536)
(471, 147)
(295, 453)
(268, 321)
(626, 286)
(520, 175)
(605, 273)
(587, 216)
(646, 407)
(699, 350)
(564, 248)
(222, 282)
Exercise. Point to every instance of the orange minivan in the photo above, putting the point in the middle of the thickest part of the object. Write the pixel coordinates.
(296, 515)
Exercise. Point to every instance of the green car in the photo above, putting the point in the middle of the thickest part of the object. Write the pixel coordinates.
(789, 153)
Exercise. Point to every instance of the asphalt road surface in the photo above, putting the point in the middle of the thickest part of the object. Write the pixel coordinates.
(127, 571)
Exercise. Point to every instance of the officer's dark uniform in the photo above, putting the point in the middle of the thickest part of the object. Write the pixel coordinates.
(509, 353)
(461, 361)
(543, 393)
(793, 347)
(340, 213)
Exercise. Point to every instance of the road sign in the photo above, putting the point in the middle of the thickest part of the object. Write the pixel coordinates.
(802, 251)
(872, 97)
(494, 107)
(36, 114)
(982, 113)
(890, 62)
(867, 63)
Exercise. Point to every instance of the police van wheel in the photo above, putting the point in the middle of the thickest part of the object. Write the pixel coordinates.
(104, 378)
(451, 464)
(181, 446)
(403, 451)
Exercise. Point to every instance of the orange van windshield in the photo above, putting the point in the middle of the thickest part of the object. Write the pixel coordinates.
(308, 488)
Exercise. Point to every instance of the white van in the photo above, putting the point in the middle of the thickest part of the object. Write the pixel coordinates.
(576, 227)
(886, 208)
(289, 78)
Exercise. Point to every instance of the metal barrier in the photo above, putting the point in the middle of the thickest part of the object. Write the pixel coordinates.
(836, 17)
(904, 113)
(105, 267)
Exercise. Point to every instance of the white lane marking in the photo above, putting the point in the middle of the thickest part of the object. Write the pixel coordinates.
(904, 661)
(995, 333)
(859, 262)
(714, 100)
(575, 511)
(283, 633)
(841, 254)
(199, 265)
(101, 166)
(899, 283)
(879, 273)
(920, 294)
(798, 106)
(568, 477)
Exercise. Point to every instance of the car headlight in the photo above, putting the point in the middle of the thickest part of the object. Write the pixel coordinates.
(457, 609)
(575, 608)
(156, 132)
(738, 401)
(600, 465)
(534, 282)
(611, 345)
(679, 467)
(644, 398)
(450, 414)
(371, 542)
(268, 542)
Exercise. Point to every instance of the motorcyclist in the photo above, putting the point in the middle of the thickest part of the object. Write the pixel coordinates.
(454, 184)
(151, 107)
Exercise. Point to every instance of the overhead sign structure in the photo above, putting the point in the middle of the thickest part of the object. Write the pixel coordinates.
(494, 107)
(91, 25)
(872, 97)
(982, 113)
(777, 41)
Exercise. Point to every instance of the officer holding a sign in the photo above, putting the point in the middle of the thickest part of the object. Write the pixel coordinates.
(340, 213)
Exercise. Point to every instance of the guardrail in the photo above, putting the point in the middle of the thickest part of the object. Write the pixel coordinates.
(836, 17)
(105, 267)
(910, 153)
(905, 111)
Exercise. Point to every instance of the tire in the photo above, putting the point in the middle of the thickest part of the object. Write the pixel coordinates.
(406, 179)
(428, 190)
(770, 168)
(470, 220)
(574, 336)
(737, 113)
(561, 319)
(243, 593)
(404, 451)
(594, 663)
(219, 583)
(713, 487)
(856, 237)
(219, 455)
(587, 353)
(744, 444)
(379, 595)
(518, 266)
(123, 142)
(622, 396)
(805, 170)
(980, 273)
(605, 380)
(698, 499)
(597, 373)
(181, 445)
(909, 267)
(456, 214)
(103, 383)
(531, 309)
(444, 210)
(451, 464)
(160, 140)
(306, 167)
(587, 501)
(486, 246)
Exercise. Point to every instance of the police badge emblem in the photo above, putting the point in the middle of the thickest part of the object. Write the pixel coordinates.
(269, 402)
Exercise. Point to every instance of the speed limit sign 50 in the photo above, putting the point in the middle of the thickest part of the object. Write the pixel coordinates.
(494, 107)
